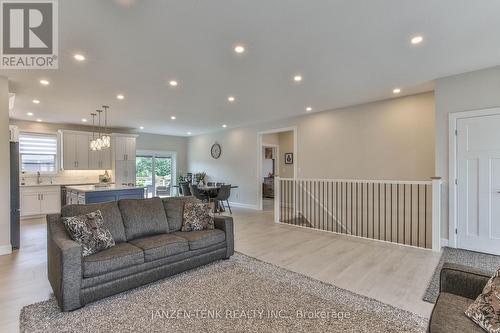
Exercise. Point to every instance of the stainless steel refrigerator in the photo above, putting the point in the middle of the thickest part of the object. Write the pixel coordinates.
(14, 195)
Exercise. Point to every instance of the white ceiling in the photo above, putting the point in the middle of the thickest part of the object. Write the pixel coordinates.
(349, 52)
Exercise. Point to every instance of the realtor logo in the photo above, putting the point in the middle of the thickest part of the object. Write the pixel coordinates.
(29, 34)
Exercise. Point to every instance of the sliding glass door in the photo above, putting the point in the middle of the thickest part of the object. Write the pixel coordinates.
(155, 171)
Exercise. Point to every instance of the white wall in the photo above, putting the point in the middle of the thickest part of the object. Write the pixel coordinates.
(392, 139)
(464, 92)
(286, 146)
(5, 246)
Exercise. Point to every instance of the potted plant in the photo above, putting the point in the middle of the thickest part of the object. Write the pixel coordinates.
(200, 178)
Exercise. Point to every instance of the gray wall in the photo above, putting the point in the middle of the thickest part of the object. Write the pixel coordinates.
(464, 92)
(391, 139)
(5, 247)
(145, 141)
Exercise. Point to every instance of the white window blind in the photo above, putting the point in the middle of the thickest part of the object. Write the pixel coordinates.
(38, 152)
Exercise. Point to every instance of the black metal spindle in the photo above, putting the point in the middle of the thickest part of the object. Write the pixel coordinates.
(425, 219)
(418, 215)
(411, 214)
(378, 197)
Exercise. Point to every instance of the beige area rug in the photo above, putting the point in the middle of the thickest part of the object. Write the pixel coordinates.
(241, 294)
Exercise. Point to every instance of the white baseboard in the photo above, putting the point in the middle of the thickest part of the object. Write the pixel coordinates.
(444, 242)
(5, 249)
(242, 205)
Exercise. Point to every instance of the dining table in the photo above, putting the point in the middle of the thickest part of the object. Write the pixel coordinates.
(212, 191)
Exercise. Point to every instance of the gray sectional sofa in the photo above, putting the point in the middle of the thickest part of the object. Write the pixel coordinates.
(149, 246)
(459, 287)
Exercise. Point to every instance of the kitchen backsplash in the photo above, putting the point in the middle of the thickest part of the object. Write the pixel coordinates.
(66, 177)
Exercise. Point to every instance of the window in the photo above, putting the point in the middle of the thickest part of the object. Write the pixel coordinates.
(156, 171)
(38, 152)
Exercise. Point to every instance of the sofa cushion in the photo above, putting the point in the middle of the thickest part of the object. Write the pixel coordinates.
(89, 230)
(197, 216)
(485, 310)
(143, 217)
(119, 256)
(112, 218)
(174, 208)
(448, 315)
(161, 246)
(203, 238)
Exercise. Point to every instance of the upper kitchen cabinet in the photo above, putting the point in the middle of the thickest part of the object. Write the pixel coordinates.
(75, 150)
(124, 147)
(99, 159)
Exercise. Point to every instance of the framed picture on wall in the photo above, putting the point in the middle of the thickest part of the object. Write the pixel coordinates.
(268, 153)
(288, 158)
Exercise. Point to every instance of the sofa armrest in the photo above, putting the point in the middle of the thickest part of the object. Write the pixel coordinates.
(462, 280)
(225, 223)
(64, 264)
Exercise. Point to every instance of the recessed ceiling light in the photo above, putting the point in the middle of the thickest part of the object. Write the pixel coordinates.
(39, 120)
(239, 49)
(396, 91)
(120, 96)
(224, 125)
(44, 82)
(173, 117)
(142, 127)
(309, 109)
(297, 78)
(36, 101)
(84, 120)
(79, 57)
(173, 83)
(30, 114)
(231, 98)
(188, 133)
(417, 40)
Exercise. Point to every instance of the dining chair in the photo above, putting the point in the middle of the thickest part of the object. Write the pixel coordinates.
(223, 195)
(184, 189)
(197, 193)
(162, 190)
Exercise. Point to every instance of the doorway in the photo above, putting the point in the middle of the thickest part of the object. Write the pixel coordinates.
(156, 172)
(477, 184)
(277, 157)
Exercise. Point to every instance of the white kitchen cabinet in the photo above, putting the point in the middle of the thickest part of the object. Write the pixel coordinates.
(125, 172)
(75, 150)
(30, 204)
(99, 159)
(40, 200)
(125, 147)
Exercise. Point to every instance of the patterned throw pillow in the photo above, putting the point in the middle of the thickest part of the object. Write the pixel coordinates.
(89, 230)
(197, 216)
(485, 311)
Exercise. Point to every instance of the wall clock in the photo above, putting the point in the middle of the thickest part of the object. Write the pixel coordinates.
(216, 150)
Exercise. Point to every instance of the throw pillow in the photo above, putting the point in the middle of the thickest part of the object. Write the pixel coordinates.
(485, 311)
(197, 216)
(89, 230)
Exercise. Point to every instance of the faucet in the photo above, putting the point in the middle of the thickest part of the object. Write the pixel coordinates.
(38, 179)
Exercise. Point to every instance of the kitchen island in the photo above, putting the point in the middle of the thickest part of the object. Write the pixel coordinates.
(88, 194)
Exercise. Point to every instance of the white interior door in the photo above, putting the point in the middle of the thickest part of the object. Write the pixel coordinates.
(478, 154)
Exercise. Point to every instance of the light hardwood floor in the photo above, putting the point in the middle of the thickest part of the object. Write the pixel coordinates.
(390, 273)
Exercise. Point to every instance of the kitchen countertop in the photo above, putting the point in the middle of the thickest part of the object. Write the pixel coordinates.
(93, 188)
(61, 184)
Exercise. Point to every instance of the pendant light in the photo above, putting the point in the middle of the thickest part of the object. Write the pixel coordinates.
(98, 141)
(106, 140)
(93, 142)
